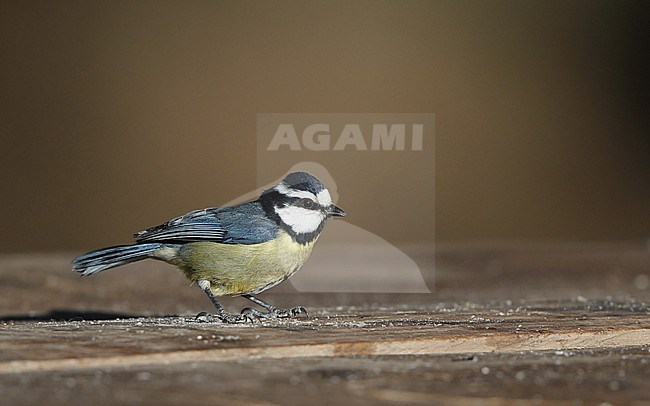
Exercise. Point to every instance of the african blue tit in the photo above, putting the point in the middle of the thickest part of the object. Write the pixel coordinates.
(237, 250)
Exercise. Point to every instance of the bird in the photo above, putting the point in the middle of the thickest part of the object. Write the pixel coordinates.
(239, 250)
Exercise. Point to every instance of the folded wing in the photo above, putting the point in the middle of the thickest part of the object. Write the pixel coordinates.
(198, 225)
(243, 224)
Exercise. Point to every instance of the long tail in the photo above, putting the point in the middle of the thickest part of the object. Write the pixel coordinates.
(106, 258)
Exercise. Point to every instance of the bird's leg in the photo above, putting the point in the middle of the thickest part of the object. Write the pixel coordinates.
(272, 311)
(222, 314)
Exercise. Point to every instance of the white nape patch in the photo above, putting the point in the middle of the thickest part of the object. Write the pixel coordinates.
(323, 197)
(301, 220)
(285, 190)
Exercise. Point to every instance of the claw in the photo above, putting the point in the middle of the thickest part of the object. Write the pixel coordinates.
(274, 313)
(250, 312)
(224, 317)
(298, 310)
(203, 317)
(250, 315)
(293, 312)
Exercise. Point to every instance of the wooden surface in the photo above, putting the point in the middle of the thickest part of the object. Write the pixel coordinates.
(505, 324)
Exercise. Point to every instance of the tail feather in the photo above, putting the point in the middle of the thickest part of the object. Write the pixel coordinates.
(106, 258)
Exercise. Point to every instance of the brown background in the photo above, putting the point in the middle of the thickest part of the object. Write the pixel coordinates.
(119, 115)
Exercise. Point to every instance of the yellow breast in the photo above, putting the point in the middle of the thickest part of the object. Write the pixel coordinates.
(234, 269)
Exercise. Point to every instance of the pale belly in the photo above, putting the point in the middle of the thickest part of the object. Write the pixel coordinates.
(242, 269)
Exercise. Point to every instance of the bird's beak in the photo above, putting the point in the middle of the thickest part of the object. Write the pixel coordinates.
(336, 211)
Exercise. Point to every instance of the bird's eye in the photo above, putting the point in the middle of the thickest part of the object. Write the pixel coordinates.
(308, 204)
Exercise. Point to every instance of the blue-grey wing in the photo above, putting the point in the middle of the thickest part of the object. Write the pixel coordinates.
(198, 225)
(246, 224)
(243, 224)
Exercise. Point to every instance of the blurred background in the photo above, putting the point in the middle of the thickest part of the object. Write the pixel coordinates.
(117, 115)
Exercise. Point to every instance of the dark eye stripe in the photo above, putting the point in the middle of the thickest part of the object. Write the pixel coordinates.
(308, 204)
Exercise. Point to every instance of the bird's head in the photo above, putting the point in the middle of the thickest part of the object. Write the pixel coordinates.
(300, 204)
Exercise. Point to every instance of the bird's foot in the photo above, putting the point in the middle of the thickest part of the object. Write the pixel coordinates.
(274, 313)
(225, 317)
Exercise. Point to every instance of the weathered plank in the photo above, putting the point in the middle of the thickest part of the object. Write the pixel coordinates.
(162, 341)
(504, 325)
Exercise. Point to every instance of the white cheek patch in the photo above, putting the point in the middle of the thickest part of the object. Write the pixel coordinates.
(323, 197)
(300, 220)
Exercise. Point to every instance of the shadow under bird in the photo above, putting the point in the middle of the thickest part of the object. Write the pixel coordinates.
(237, 250)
